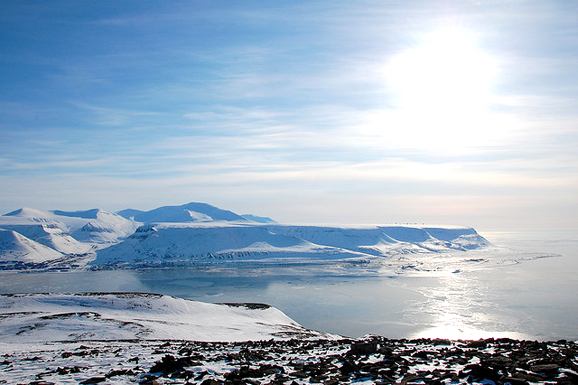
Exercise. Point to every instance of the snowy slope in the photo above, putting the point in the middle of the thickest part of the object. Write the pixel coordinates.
(190, 212)
(105, 228)
(16, 247)
(122, 316)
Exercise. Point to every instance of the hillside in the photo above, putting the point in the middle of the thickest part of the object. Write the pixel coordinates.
(114, 338)
(29, 318)
(17, 248)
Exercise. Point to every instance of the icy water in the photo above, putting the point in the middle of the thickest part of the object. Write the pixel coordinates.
(512, 294)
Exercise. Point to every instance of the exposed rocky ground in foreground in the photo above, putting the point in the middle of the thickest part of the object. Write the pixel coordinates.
(369, 360)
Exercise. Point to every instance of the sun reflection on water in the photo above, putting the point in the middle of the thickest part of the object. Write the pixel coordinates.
(454, 310)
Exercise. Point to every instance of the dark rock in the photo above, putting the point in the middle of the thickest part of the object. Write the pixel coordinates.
(498, 361)
(121, 372)
(479, 372)
(515, 381)
(269, 369)
(94, 380)
(477, 344)
(565, 381)
(348, 367)
(363, 348)
(412, 378)
(299, 374)
(242, 373)
(530, 377)
(36, 383)
(170, 364)
(547, 368)
(210, 382)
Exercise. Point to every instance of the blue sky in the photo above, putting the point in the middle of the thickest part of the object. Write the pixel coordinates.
(454, 112)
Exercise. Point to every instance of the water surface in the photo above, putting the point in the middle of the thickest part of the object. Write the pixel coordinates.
(507, 295)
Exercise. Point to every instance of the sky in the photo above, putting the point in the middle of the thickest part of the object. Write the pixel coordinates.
(330, 111)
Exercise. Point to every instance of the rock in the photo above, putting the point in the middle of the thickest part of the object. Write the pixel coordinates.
(423, 354)
(94, 380)
(530, 377)
(515, 381)
(210, 382)
(477, 344)
(412, 378)
(363, 348)
(547, 368)
(170, 364)
(498, 361)
(479, 372)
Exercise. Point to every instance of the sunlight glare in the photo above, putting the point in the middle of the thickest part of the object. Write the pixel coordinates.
(442, 89)
(446, 72)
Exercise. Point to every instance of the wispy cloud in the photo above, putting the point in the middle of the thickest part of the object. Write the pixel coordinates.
(292, 103)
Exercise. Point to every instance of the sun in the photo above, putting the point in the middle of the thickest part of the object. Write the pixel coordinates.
(442, 88)
(444, 72)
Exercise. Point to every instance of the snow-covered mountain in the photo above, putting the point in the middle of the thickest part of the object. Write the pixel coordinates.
(69, 232)
(17, 248)
(190, 212)
(105, 228)
(382, 240)
(191, 243)
(61, 233)
(200, 233)
(217, 241)
(45, 228)
(127, 316)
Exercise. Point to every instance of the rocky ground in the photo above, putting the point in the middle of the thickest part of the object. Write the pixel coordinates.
(369, 360)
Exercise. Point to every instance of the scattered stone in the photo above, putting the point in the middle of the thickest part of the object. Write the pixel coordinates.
(372, 359)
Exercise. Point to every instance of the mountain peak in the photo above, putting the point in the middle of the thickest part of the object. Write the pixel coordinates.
(189, 212)
(27, 212)
(85, 214)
